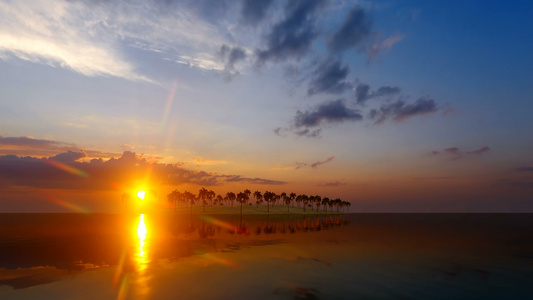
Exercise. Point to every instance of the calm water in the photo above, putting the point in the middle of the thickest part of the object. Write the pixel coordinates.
(358, 256)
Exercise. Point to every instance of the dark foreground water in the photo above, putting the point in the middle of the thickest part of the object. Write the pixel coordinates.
(358, 256)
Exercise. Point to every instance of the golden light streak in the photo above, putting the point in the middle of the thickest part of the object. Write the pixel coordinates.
(67, 168)
(70, 206)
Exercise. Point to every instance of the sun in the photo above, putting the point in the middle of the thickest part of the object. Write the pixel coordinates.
(140, 194)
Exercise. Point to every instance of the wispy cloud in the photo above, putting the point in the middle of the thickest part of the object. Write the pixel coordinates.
(94, 38)
(457, 153)
(333, 184)
(400, 111)
(315, 164)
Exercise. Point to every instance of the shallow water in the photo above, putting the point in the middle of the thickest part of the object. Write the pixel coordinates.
(357, 256)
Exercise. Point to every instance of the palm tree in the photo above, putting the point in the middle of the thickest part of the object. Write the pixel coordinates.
(276, 198)
(210, 195)
(202, 195)
(258, 197)
(231, 196)
(292, 196)
(242, 198)
(287, 200)
(298, 200)
(337, 203)
(219, 200)
(174, 197)
(325, 203)
(318, 201)
(304, 199)
(190, 197)
(347, 204)
(268, 198)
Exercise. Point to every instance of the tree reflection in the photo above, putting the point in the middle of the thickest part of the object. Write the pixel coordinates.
(209, 227)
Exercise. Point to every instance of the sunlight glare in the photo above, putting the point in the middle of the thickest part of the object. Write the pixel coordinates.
(141, 194)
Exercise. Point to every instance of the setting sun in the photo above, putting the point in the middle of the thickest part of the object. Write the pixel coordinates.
(140, 194)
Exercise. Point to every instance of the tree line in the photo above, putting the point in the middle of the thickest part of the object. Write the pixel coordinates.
(209, 197)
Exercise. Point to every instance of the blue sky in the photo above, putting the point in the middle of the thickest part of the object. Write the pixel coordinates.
(392, 105)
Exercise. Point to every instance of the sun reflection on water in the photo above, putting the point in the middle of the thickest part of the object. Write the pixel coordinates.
(140, 256)
(132, 276)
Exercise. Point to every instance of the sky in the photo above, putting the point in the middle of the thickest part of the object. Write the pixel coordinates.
(394, 106)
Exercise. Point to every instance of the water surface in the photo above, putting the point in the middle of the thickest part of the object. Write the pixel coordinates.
(356, 256)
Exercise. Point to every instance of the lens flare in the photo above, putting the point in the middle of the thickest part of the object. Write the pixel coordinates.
(67, 168)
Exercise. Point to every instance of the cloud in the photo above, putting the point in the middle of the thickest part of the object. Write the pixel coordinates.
(525, 169)
(453, 151)
(97, 38)
(65, 171)
(230, 57)
(400, 111)
(69, 156)
(30, 146)
(253, 11)
(293, 36)
(363, 93)
(332, 184)
(315, 164)
(456, 153)
(386, 44)
(237, 178)
(61, 34)
(329, 77)
(479, 151)
(518, 183)
(329, 112)
(30, 142)
(355, 29)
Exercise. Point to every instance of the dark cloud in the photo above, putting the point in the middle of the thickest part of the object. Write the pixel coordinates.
(400, 111)
(525, 169)
(294, 35)
(230, 56)
(332, 184)
(435, 178)
(328, 112)
(354, 31)
(518, 183)
(237, 178)
(308, 133)
(363, 93)
(315, 164)
(254, 11)
(69, 156)
(63, 171)
(329, 77)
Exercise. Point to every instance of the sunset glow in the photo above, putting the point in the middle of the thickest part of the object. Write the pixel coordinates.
(420, 106)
